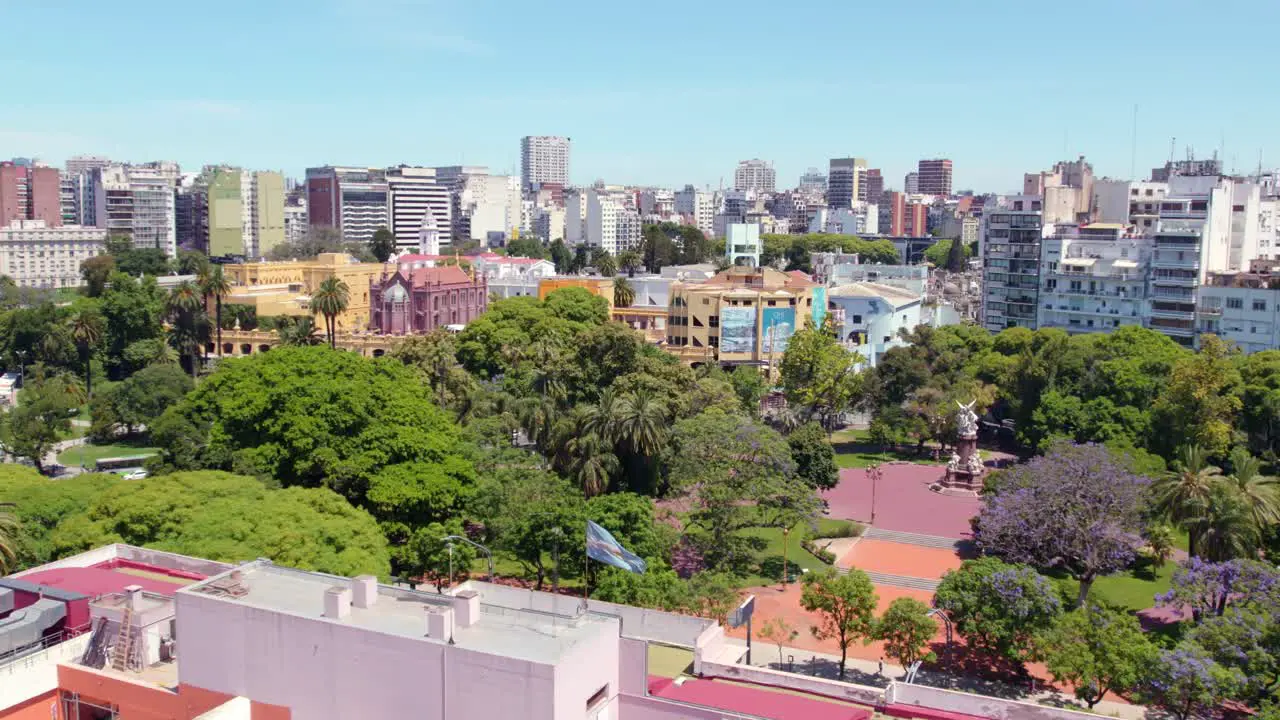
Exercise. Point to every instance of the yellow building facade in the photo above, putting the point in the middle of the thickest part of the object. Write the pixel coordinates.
(742, 315)
(285, 288)
(602, 287)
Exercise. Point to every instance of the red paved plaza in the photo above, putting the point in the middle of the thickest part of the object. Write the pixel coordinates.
(904, 501)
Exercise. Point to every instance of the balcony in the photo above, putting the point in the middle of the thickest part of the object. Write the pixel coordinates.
(1172, 314)
(1175, 281)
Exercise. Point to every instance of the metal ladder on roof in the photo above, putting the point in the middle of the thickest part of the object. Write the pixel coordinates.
(122, 652)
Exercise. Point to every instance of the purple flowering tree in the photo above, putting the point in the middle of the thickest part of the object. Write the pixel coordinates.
(998, 608)
(1076, 508)
(1187, 682)
(1209, 587)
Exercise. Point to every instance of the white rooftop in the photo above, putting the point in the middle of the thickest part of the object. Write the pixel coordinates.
(530, 635)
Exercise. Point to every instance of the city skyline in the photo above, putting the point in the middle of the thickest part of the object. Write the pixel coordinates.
(208, 108)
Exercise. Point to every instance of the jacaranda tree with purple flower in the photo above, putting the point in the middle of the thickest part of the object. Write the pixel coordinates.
(1077, 508)
(1187, 682)
(998, 608)
(1207, 588)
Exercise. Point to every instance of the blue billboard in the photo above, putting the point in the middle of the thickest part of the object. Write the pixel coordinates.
(819, 305)
(779, 325)
(737, 329)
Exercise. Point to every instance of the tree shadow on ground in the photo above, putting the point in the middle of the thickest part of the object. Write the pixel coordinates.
(815, 666)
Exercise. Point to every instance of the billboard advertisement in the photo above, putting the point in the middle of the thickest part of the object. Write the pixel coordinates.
(779, 325)
(737, 329)
(819, 305)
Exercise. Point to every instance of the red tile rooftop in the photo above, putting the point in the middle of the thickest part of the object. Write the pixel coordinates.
(759, 702)
(96, 581)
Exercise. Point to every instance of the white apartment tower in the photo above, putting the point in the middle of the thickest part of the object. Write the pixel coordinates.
(755, 175)
(35, 255)
(137, 201)
(1093, 278)
(611, 223)
(544, 159)
(419, 202)
(699, 206)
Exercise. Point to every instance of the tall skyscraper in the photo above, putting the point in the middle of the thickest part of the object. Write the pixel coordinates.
(238, 212)
(934, 177)
(137, 201)
(29, 192)
(354, 200)
(756, 175)
(544, 159)
(911, 183)
(874, 186)
(845, 182)
(419, 202)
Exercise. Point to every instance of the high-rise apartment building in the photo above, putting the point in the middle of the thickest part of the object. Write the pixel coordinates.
(1010, 250)
(846, 182)
(1092, 278)
(755, 175)
(419, 201)
(137, 201)
(1135, 203)
(238, 213)
(544, 159)
(903, 217)
(355, 200)
(612, 222)
(813, 180)
(911, 183)
(698, 208)
(29, 192)
(295, 214)
(934, 177)
(874, 186)
(81, 164)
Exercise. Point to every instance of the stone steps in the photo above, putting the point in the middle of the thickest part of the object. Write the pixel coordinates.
(907, 538)
(902, 581)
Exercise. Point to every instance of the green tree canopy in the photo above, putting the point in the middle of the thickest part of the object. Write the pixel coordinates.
(819, 376)
(311, 417)
(907, 630)
(231, 518)
(382, 245)
(998, 608)
(813, 456)
(1097, 649)
(845, 604)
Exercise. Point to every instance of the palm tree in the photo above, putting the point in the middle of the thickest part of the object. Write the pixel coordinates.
(87, 328)
(601, 419)
(629, 261)
(302, 331)
(1259, 493)
(1184, 494)
(623, 293)
(213, 282)
(331, 299)
(8, 537)
(642, 423)
(593, 463)
(184, 303)
(1228, 530)
(165, 355)
(605, 264)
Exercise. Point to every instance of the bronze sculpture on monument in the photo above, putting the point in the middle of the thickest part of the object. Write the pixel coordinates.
(965, 470)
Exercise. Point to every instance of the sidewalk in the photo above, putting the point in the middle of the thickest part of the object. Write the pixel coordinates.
(867, 672)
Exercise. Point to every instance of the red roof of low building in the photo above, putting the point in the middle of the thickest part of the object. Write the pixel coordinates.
(448, 275)
(94, 581)
(752, 701)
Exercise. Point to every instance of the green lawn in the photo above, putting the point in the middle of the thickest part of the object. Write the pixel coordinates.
(87, 454)
(1135, 588)
(769, 558)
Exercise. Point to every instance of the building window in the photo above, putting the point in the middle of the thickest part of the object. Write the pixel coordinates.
(1260, 305)
(1234, 303)
(857, 319)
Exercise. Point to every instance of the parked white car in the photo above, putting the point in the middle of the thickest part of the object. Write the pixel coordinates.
(136, 475)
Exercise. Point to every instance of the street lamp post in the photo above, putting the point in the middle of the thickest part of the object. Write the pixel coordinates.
(488, 555)
(873, 472)
(786, 535)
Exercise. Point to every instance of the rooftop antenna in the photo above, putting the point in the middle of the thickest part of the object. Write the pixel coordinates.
(1133, 146)
(1173, 144)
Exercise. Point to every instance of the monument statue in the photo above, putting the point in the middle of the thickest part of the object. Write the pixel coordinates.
(965, 468)
(967, 419)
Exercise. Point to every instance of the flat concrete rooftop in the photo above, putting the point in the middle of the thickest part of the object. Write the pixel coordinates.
(530, 635)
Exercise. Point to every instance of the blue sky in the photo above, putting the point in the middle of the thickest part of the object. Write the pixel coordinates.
(659, 92)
